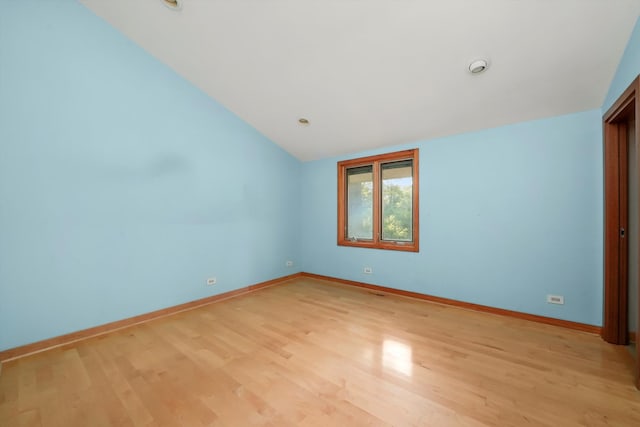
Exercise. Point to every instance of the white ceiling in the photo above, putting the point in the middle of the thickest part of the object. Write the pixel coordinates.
(373, 73)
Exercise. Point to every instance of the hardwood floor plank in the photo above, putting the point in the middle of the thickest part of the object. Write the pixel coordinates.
(315, 353)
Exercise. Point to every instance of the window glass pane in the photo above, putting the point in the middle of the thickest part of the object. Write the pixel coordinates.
(360, 203)
(397, 201)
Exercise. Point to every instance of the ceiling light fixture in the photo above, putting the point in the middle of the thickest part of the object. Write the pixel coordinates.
(478, 66)
(173, 4)
(303, 121)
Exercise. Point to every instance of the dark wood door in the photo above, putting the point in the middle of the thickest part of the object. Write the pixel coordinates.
(616, 124)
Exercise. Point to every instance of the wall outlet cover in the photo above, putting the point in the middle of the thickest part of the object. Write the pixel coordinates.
(555, 299)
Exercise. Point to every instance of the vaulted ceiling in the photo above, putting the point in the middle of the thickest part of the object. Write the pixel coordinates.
(372, 73)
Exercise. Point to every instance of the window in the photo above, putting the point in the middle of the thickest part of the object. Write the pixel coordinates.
(378, 201)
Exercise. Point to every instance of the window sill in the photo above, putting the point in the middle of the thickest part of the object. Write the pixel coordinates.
(405, 247)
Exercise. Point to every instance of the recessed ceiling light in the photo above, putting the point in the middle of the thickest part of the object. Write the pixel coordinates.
(173, 4)
(478, 66)
(303, 121)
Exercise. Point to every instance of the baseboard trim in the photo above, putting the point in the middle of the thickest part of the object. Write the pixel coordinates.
(477, 307)
(47, 344)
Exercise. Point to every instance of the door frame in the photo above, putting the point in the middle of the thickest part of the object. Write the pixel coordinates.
(615, 308)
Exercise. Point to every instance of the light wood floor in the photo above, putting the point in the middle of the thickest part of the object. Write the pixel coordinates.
(310, 353)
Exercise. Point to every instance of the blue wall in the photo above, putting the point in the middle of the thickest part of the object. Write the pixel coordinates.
(628, 68)
(122, 187)
(507, 216)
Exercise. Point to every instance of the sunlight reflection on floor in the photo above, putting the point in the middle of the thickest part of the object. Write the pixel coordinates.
(397, 356)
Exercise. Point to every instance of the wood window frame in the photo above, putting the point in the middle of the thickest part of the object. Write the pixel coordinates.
(376, 162)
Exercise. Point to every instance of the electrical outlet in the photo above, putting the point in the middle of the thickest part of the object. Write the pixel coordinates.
(555, 299)
(211, 281)
(289, 263)
(367, 270)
